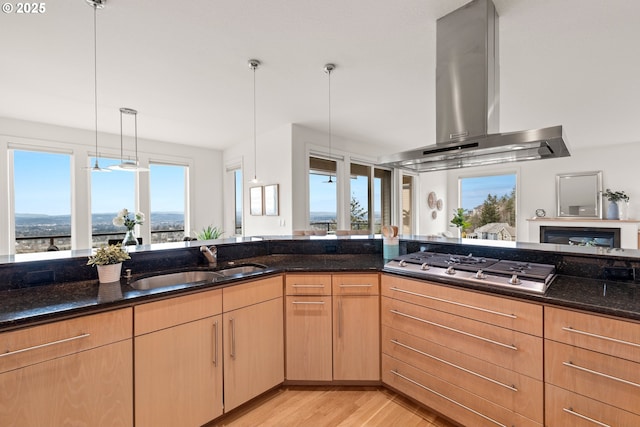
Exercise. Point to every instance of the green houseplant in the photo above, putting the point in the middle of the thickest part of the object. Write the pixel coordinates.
(108, 260)
(459, 221)
(209, 233)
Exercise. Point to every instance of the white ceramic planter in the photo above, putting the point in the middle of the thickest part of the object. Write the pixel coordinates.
(109, 273)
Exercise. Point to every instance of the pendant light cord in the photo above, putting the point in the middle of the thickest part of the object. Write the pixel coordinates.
(95, 75)
(255, 144)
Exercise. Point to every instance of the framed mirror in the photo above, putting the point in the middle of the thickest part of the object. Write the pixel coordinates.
(579, 194)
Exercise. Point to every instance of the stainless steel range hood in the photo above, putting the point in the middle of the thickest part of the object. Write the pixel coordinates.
(467, 101)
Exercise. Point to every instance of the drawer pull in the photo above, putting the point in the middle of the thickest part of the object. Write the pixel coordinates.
(602, 337)
(307, 286)
(35, 347)
(473, 307)
(357, 286)
(394, 372)
(584, 417)
(601, 374)
(509, 346)
(232, 324)
(307, 302)
(510, 387)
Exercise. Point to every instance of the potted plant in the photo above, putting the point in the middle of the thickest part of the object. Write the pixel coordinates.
(209, 233)
(108, 260)
(613, 210)
(459, 221)
(123, 219)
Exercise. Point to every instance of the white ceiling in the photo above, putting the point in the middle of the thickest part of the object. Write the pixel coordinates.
(183, 66)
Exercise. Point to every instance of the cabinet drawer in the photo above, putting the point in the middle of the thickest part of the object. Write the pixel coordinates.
(510, 389)
(618, 338)
(163, 314)
(511, 349)
(595, 375)
(250, 293)
(308, 284)
(500, 311)
(463, 407)
(567, 409)
(355, 284)
(39, 343)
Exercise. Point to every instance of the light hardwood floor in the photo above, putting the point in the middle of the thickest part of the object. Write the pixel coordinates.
(295, 406)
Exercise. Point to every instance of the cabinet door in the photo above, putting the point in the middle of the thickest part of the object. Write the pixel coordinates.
(254, 351)
(178, 374)
(356, 338)
(91, 388)
(309, 338)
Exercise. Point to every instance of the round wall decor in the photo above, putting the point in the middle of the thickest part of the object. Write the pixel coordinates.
(431, 200)
(439, 204)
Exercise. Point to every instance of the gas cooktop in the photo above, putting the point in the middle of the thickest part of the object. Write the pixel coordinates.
(517, 275)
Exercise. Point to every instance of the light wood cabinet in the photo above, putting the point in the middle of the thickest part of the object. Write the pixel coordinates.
(356, 327)
(178, 360)
(253, 339)
(308, 338)
(474, 357)
(591, 369)
(332, 327)
(74, 372)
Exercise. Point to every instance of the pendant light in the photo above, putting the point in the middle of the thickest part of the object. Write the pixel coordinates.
(254, 64)
(129, 165)
(328, 68)
(96, 4)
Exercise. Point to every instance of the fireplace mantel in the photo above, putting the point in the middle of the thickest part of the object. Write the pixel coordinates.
(628, 227)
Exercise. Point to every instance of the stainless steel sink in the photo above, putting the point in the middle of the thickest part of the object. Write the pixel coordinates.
(172, 279)
(241, 269)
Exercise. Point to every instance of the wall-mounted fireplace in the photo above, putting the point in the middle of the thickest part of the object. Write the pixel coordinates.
(581, 236)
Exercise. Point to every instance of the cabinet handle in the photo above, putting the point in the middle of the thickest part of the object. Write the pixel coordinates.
(395, 372)
(357, 286)
(215, 343)
(232, 326)
(584, 417)
(307, 302)
(510, 387)
(339, 317)
(602, 337)
(473, 307)
(509, 346)
(307, 286)
(35, 347)
(601, 374)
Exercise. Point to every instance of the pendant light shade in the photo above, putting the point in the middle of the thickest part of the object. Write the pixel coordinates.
(328, 68)
(254, 64)
(129, 165)
(96, 4)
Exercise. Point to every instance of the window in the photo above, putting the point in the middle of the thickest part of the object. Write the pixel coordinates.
(360, 202)
(489, 203)
(110, 192)
(237, 217)
(381, 199)
(407, 204)
(42, 201)
(167, 189)
(323, 200)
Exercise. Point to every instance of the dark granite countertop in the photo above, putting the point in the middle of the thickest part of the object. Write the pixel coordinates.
(30, 306)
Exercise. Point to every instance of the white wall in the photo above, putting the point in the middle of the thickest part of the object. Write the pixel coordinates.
(537, 185)
(205, 168)
(274, 166)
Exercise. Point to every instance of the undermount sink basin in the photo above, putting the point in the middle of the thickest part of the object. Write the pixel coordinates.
(242, 269)
(171, 279)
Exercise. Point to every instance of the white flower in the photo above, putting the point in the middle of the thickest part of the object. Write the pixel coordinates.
(118, 221)
(123, 213)
(140, 217)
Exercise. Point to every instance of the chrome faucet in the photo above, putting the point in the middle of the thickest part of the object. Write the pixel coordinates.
(211, 254)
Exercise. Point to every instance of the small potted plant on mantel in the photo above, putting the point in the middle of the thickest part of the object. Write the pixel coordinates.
(459, 221)
(613, 210)
(108, 260)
